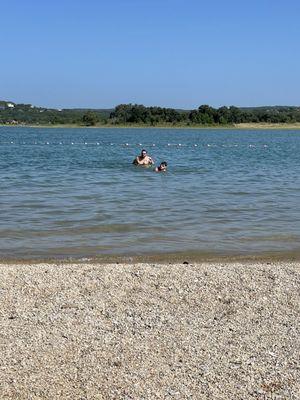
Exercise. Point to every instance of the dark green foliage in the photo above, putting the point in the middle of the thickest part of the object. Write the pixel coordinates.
(134, 114)
(89, 118)
(139, 114)
(204, 115)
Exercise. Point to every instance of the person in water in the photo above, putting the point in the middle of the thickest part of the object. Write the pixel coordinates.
(143, 159)
(162, 167)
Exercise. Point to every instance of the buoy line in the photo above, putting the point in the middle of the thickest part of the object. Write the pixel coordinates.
(209, 145)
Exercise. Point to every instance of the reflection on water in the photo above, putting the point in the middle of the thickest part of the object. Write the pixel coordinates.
(74, 192)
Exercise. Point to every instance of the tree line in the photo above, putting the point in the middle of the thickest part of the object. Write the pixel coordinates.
(203, 115)
(135, 114)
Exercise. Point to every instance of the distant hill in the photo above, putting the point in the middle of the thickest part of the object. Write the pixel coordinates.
(272, 108)
(5, 103)
(103, 111)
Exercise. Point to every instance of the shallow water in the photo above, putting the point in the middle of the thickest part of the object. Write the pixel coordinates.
(75, 192)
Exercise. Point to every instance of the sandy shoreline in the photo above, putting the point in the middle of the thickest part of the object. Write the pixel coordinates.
(150, 331)
(241, 126)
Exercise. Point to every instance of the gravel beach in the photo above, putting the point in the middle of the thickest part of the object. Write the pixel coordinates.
(150, 331)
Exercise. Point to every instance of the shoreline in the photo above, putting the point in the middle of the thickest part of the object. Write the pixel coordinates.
(170, 258)
(242, 126)
(152, 331)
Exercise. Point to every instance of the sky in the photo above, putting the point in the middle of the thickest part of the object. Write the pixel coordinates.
(173, 53)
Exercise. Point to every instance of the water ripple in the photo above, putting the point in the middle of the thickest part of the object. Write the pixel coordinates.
(76, 193)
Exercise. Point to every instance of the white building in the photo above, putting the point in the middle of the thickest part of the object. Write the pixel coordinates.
(10, 105)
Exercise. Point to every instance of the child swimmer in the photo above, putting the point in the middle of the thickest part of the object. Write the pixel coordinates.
(162, 167)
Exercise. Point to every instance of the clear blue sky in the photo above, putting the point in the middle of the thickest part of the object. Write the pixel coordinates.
(175, 53)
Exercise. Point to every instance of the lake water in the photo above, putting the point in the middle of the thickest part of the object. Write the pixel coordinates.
(75, 192)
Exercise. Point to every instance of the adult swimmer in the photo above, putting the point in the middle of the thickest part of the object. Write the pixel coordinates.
(143, 159)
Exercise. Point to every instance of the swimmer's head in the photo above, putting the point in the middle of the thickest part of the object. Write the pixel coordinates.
(143, 153)
(163, 166)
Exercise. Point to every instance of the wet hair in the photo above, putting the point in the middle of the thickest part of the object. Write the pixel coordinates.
(164, 163)
(143, 151)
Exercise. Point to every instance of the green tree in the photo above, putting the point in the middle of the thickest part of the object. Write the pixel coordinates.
(89, 118)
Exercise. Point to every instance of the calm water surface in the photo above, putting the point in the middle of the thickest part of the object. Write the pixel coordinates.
(75, 193)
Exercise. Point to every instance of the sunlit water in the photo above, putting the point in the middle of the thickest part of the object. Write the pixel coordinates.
(75, 192)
